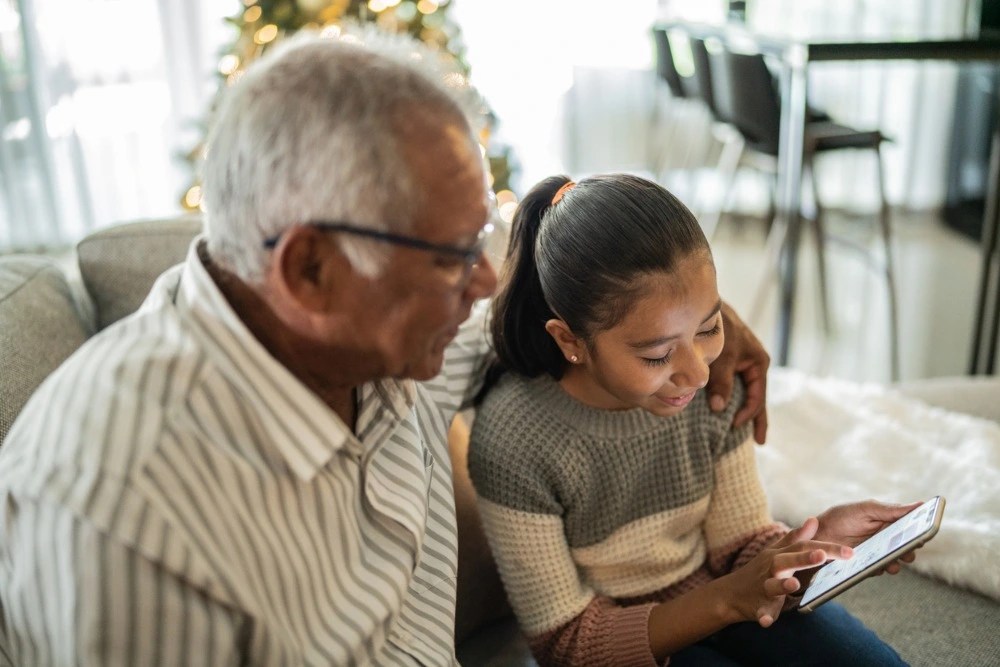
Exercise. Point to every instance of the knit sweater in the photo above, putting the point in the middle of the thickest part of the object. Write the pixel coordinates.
(594, 516)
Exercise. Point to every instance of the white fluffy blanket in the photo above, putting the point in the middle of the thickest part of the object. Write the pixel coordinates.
(831, 441)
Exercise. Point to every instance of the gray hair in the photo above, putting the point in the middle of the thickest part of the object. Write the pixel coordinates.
(307, 133)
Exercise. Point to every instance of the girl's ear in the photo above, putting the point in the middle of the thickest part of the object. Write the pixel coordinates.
(571, 345)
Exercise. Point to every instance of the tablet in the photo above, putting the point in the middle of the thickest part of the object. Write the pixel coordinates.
(905, 534)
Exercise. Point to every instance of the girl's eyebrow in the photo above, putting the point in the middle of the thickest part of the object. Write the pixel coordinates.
(653, 342)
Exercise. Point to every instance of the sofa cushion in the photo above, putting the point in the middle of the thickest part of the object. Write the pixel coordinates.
(119, 264)
(928, 622)
(40, 325)
(499, 644)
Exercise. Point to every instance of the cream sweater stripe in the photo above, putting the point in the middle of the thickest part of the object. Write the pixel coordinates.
(739, 505)
(652, 553)
(536, 566)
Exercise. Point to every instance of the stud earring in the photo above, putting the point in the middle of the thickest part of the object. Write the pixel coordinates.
(573, 359)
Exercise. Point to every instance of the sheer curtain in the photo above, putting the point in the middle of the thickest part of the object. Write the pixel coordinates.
(99, 100)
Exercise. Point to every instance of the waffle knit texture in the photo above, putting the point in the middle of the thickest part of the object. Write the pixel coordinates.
(594, 516)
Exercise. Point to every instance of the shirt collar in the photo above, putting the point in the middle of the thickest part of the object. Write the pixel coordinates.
(300, 426)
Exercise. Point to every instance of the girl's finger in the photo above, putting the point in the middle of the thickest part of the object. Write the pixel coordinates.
(778, 586)
(804, 532)
(786, 564)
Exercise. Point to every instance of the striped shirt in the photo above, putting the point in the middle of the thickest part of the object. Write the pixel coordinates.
(173, 495)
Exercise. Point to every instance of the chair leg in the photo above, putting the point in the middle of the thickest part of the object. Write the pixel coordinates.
(680, 151)
(728, 165)
(700, 144)
(666, 124)
(657, 127)
(776, 234)
(890, 274)
(819, 232)
(772, 206)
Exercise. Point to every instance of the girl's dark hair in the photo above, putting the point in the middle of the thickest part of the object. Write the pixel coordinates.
(578, 260)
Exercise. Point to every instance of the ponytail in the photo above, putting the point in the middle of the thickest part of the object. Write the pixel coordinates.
(519, 309)
(580, 257)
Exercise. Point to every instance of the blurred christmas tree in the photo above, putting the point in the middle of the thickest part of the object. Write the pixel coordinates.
(263, 23)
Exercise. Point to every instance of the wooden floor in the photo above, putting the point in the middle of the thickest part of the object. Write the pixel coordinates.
(937, 274)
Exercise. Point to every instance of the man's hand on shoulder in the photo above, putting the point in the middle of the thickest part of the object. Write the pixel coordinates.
(742, 354)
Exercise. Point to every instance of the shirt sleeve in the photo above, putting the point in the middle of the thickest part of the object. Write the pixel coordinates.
(71, 595)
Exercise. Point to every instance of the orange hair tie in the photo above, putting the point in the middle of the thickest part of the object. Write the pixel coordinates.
(562, 191)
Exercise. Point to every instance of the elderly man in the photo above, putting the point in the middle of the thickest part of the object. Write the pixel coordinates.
(254, 467)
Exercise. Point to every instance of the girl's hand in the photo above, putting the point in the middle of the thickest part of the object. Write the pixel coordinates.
(757, 590)
(853, 523)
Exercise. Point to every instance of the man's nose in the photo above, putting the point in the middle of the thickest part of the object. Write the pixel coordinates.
(484, 279)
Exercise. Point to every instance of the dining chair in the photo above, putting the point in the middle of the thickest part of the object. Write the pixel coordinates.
(705, 139)
(699, 85)
(666, 69)
(745, 95)
(666, 113)
(682, 129)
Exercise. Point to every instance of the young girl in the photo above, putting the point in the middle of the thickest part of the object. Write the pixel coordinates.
(626, 517)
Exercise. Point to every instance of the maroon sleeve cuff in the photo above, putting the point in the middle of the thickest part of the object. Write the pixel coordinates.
(630, 643)
(760, 541)
(602, 634)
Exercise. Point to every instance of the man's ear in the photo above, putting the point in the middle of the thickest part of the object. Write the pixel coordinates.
(305, 264)
(572, 346)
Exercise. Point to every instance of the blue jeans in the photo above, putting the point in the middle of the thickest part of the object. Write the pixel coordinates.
(828, 636)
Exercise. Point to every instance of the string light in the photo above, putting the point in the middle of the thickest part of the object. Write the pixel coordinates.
(427, 6)
(192, 198)
(312, 6)
(266, 34)
(505, 197)
(253, 14)
(507, 211)
(454, 80)
(228, 64)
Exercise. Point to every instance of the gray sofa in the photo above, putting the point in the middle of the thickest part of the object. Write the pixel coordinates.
(49, 308)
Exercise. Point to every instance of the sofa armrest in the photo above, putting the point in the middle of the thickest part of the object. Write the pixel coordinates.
(977, 396)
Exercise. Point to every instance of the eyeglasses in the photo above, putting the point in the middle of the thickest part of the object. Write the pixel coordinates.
(469, 256)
